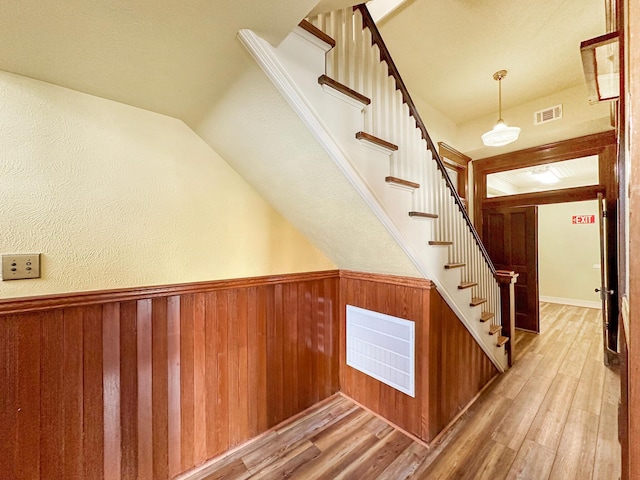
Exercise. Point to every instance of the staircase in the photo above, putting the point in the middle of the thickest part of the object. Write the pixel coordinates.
(330, 71)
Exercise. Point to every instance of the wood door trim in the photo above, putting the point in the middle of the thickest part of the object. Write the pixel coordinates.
(548, 153)
(565, 195)
(601, 144)
(458, 161)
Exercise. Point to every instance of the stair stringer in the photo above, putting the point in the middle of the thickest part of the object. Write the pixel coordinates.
(294, 68)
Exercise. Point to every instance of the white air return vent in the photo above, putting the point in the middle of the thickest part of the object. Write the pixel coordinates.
(547, 115)
(383, 347)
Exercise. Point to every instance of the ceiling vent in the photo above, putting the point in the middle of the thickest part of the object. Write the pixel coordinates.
(547, 115)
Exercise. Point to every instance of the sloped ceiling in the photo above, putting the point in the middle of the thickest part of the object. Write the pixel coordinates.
(181, 58)
(170, 57)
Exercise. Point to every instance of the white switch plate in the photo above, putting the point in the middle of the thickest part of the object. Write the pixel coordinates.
(19, 266)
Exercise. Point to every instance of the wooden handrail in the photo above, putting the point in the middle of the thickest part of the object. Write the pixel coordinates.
(385, 56)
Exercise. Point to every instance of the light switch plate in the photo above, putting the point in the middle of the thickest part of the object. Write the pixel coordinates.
(19, 266)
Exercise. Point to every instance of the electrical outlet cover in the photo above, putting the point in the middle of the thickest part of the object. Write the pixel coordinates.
(19, 266)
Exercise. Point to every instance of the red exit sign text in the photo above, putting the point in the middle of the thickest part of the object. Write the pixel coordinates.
(582, 219)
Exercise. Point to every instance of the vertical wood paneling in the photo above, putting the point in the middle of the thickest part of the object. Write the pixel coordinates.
(242, 432)
(9, 348)
(315, 352)
(333, 294)
(129, 389)
(92, 395)
(259, 362)
(52, 409)
(301, 321)
(423, 354)
(459, 368)
(275, 369)
(200, 379)
(292, 351)
(149, 388)
(173, 364)
(321, 366)
(72, 400)
(210, 368)
(451, 368)
(234, 371)
(112, 388)
(220, 357)
(159, 388)
(187, 381)
(145, 390)
(256, 374)
(28, 408)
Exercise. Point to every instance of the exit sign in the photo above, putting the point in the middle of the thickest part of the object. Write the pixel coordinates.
(583, 219)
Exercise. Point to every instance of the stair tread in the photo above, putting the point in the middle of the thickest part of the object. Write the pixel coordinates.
(440, 242)
(454, 265)
(502, 340)
(402, 182)
(315, 31)
(342, 88)
(475, 301)
(423, 215)
(464, 285)
(376, 140)
(494, 329)
(486, 316)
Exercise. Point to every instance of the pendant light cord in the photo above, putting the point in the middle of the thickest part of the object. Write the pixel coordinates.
(500, 100)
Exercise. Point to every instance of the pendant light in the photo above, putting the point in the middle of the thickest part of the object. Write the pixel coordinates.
(501, 134)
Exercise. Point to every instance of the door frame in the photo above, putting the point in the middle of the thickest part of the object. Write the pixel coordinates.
(604, 145)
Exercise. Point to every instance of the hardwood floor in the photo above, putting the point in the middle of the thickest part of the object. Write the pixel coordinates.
(552, 416)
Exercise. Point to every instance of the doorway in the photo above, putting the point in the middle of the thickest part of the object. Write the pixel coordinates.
(568, 253)
(518, 168)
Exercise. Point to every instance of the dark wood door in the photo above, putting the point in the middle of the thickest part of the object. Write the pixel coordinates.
(606, 293)
(511, 238)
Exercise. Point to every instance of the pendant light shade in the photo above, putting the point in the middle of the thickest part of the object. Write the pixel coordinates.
(501, 134)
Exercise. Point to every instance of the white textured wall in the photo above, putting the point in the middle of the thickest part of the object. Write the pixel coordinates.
(115, 196)
(289, 168)
(567, 252)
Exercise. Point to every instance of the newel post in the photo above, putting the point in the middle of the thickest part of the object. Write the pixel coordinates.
(506, 280)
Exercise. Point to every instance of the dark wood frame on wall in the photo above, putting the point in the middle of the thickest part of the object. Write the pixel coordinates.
(602, 144)
(605, 146)
(459, 162)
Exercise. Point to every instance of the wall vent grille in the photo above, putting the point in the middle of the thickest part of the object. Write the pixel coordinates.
(547, 115)
(382, 347)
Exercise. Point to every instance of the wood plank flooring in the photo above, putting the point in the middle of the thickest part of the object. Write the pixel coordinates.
(552, 416)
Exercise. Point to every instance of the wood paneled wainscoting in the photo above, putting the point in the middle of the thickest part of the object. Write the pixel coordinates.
(451, 369)
(147, 383)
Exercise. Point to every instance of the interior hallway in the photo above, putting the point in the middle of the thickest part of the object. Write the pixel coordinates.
(552, 416)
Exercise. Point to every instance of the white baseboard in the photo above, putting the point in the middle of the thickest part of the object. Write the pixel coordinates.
(571, 301)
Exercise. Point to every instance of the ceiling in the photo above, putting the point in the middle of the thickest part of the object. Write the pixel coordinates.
(180, 58)
(448, 51)
(578, 172)
(167, 56)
